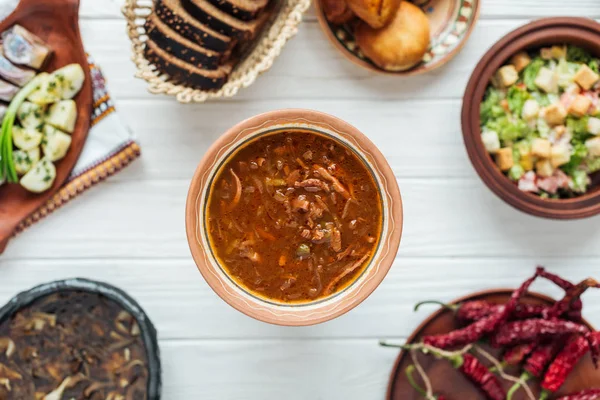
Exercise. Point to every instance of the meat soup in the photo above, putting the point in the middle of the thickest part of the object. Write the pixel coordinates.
(294, 216)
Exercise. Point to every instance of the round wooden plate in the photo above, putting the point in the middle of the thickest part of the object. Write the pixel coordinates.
(57, 24)
(452, 22)
(450, 382)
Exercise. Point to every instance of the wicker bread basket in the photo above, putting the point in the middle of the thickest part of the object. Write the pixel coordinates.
(282, 26)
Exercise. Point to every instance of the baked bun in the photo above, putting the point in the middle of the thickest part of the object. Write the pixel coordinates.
(337, 11)
(401, 44)
(376, 13)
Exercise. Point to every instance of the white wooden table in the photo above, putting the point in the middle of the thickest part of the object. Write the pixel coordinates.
(458, 236)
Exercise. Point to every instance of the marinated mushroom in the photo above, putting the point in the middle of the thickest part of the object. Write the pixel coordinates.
(72, 345)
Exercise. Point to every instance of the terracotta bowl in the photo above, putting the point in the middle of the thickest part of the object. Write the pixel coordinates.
(447, 381)
(251, 304)
(452, 22)
(582, 32)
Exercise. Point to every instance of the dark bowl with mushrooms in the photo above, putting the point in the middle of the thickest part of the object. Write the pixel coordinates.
(77, 338)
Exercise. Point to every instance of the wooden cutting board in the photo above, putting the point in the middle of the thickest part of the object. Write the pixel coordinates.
(57, 23)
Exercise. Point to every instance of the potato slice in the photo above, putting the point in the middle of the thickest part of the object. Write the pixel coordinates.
(25, 159)
(71, 79)
(48, 92)
(40, 177)
(55, 144)
(62, 115)
(31, 115)
(26, 139)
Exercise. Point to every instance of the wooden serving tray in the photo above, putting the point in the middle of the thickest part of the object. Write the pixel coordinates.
(449, 382)
(57, 23)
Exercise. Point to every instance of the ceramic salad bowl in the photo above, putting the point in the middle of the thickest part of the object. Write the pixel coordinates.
(581, 32)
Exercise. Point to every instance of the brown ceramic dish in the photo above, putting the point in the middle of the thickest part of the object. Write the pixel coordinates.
(452, 22)
(448, 381)
(582, 32)
(250, 303)
(57, 24)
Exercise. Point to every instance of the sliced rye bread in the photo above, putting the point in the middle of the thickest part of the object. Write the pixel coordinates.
(246, 10)
(208, 14)
(186, 74)
(180, 47)
(172, 13)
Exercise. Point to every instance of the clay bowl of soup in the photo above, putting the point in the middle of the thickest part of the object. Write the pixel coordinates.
(294, 217)
(544, 185)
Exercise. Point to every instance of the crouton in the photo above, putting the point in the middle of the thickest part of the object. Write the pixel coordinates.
(504, 158)
(541, 148)
(544, 168)
(555, 114)
(520, 60)
(580, 106)
(586, 77)
(507, 75)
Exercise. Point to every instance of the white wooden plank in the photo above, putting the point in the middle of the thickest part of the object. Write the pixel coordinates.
(106, 9)
(308, 68)
(443, 218)
(274, 370)
(100, 9)
(423, 138)
(182, 306)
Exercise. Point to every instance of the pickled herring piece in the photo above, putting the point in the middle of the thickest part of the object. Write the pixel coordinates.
(24, 48)
(7, 91)
(12, 73)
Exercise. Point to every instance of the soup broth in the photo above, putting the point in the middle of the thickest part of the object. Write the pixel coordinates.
(294, 216)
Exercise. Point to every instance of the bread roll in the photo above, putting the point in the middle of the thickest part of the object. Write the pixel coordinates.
(337, 11)
(401, 44)
(376, 13)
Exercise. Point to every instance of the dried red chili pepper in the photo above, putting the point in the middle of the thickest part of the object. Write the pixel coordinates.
(565, 361)
(537, 363)
(478, 329)
(477, 373)
(478, 309)
(571, 297)
(577, 305)
(588, 394)
(542, 356)
(515, 355)
(532, 330)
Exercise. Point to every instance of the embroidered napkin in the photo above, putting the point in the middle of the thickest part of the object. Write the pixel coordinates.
(110, 145)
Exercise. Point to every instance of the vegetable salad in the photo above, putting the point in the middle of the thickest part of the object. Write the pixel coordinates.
(540, 120)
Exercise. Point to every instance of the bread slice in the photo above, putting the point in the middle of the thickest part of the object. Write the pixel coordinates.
(220, 21)
(186, 74)
(180, 47)
(172, 13)
(246, 10)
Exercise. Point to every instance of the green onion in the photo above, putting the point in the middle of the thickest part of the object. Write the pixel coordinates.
(7, 164)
